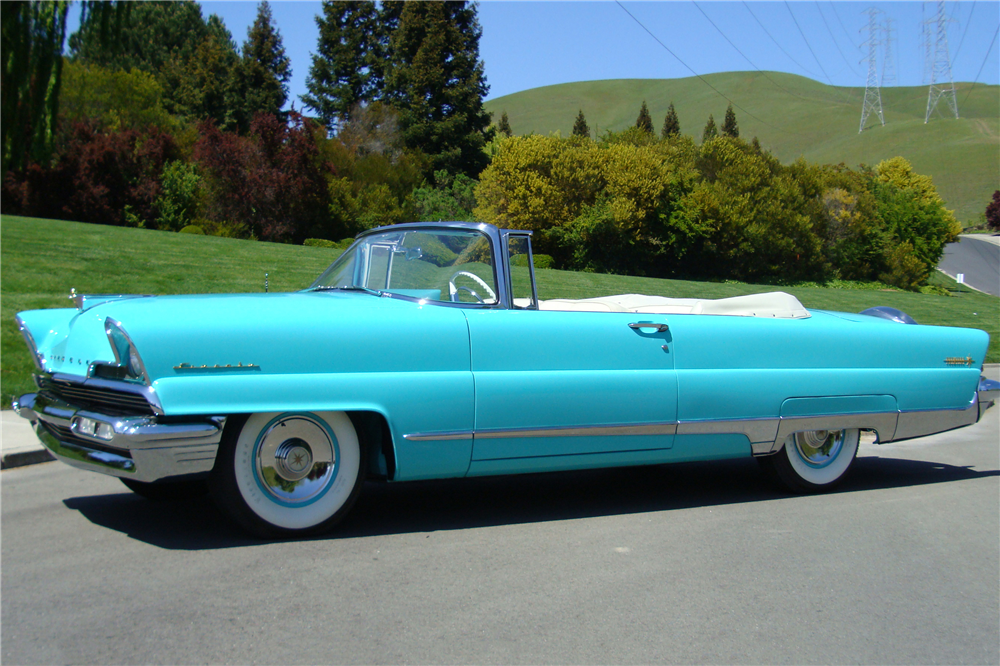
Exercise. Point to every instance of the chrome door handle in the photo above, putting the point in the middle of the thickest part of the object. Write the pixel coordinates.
(660, 328)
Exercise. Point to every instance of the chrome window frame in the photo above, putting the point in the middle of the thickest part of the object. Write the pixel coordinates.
(498, 250)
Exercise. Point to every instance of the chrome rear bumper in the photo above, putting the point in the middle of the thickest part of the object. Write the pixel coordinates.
(143, 448)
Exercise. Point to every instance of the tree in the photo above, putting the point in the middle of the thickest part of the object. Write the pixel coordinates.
(729, 126)
(710, 131)
(671, 125)
(993, 212)
(580, 127)
(266, 70)
(344, 71)
(435, 80)
(32, 41)
(208, 84)
(644, 121)
(154, 33)
(504, 126)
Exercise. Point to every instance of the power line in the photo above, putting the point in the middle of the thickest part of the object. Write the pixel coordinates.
(988, 52)
(850, 39)
(834, 39)
(703, 80)
(809, 46)
(967, 23)
(801, 66)
(698, 7)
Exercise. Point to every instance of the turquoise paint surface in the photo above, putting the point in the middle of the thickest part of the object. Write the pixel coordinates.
(855, 404)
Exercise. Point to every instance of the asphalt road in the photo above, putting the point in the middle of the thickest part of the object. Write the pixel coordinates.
(978, 259)
(692, 563)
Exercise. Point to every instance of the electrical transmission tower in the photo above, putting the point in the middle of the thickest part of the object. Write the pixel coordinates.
(873, 97)
(888, 60)
(925, 44)
(942, 85)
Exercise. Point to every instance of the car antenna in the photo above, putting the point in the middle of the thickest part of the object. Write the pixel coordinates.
(265, 283)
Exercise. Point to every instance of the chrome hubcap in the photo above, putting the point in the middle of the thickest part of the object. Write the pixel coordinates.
(296, 460)
(818, 448)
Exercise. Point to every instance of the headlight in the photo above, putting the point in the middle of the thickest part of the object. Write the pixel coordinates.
(126, 355)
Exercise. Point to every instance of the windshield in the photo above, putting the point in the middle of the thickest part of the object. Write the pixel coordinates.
(437, 265)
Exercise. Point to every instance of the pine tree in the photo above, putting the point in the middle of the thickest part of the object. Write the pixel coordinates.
(710, 131)
(671, 125)
(580, 127)
(644, 121)
(266, 70)
(344, 71)
(729, 126)
(436, 82)
(504, 126)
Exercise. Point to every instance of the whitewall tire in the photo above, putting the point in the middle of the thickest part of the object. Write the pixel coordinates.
(815, 460)
(288, 473)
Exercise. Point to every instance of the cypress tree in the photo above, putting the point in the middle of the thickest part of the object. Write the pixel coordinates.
(580, 127)
(710, 131)
(265, 68)
(435, 80)
(729, 126)
(344, 70)
(504, 126)
(644, 121)
(755, 144)
(671, 125)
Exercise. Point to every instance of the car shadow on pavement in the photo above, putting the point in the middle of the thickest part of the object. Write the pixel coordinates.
(427, 506)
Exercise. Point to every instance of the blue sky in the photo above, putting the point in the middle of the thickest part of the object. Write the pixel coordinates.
(530, 44)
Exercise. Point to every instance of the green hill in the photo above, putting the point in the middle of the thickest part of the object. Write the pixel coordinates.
(795, 117)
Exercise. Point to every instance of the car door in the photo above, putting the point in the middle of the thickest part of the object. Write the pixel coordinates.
(570, 383)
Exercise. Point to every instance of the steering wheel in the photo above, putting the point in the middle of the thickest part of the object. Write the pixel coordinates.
(453, 290)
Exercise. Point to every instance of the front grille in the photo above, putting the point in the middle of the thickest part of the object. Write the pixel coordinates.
(96, 398)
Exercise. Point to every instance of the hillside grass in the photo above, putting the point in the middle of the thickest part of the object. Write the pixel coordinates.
(41, 260)
(795, 117)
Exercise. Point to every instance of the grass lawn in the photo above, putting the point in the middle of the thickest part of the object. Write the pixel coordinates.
(40, 260)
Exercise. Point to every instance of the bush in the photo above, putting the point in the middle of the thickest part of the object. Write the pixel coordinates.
(319, 242)
(540, 260)
(192, 229)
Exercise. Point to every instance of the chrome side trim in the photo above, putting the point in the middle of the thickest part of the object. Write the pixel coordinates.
(883, 423)
(919, 424)
(445, 435)
(624, 429)
(756, 430)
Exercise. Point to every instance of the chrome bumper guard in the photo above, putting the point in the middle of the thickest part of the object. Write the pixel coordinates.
(135, 447)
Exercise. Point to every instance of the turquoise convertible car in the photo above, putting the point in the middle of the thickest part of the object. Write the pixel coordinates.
(423, 352)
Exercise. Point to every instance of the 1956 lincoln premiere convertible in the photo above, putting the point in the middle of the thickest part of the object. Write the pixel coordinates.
(423, 352)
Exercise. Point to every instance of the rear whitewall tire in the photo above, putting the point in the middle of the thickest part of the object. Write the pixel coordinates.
(289, 473)
(814, 461)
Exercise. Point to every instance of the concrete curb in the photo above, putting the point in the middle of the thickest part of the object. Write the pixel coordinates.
(22, 458)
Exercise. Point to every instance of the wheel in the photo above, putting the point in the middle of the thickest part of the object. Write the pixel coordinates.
(167, 491)
(453, 289)
(815, 460)
(288, 474)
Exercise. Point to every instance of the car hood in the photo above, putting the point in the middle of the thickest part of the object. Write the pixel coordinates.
(278, 333)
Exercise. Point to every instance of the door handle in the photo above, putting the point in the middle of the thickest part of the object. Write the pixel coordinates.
(660, 328)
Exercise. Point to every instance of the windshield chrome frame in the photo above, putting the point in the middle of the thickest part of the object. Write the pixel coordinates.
(499, 257)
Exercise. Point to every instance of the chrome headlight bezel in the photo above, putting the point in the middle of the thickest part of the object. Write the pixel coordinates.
(126, 354)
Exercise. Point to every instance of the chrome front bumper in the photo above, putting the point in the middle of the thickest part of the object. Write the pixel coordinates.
(143, 448)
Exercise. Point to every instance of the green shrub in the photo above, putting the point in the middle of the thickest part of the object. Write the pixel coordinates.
(320, 242)
(192, 229)
(540, 260)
